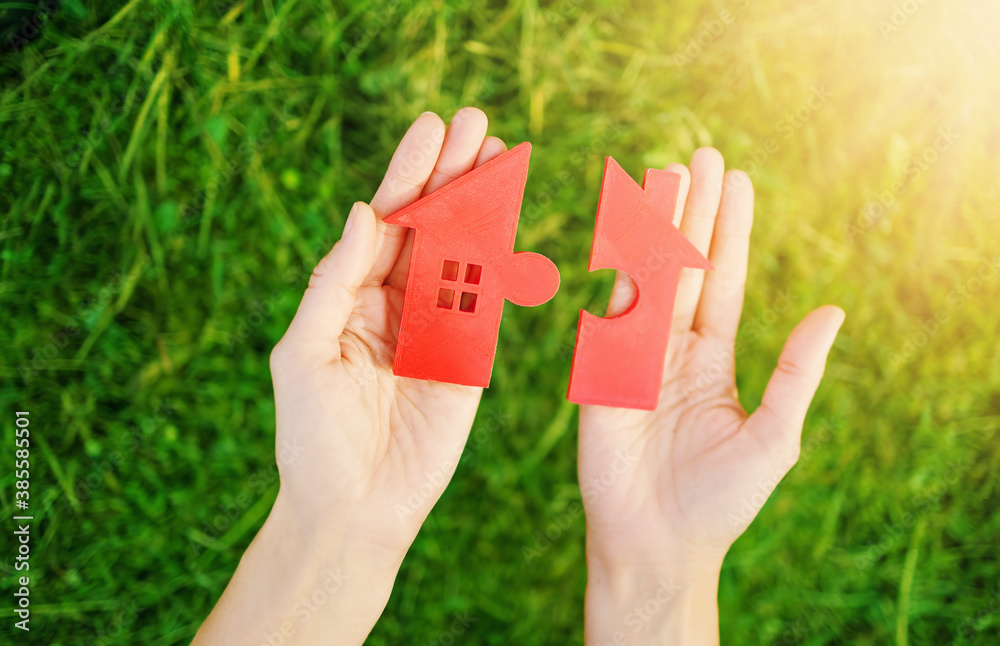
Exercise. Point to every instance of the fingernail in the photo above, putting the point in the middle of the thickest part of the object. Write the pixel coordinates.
(843, 317)
(350, 220)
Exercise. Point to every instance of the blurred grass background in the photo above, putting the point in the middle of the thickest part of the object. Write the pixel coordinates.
(171, 171)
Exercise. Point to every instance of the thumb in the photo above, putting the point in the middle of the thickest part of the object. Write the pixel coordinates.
(329, 298)
(778, 421)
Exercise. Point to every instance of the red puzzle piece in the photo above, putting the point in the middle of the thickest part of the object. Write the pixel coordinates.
(618, 361)
(462, 268)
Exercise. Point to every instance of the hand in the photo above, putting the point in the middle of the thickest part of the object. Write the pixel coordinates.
(369, 440)
(682, 482)
(363, 455)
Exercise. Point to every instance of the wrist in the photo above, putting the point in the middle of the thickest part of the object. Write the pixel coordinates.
(334, 541)
(298, 583)
(651, 603)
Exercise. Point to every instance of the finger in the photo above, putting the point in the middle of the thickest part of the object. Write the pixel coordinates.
(622, 294)
(697, 223)
(721, 301)
(462, 143)
(410, 168)
(329, 299)
(492, 146)
(625, 290)
(683, 191)
(778, 421)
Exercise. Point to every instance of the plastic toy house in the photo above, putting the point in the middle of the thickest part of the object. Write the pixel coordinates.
(618, 361)
(462, 268)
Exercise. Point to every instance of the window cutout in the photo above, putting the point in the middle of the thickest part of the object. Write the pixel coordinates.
(468, 302)
(473, 273)
(445, 298)
(450, 270)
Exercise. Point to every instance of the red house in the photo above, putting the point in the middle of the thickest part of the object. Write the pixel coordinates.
(618, 361)
(462, 268)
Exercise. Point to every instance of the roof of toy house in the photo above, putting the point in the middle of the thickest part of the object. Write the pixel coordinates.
(483, 204)
(620, 191)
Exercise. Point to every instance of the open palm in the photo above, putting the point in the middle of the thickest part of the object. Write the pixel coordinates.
(689, 477)
(353, 440)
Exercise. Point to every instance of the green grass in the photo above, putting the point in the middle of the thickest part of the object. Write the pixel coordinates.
(169, 173)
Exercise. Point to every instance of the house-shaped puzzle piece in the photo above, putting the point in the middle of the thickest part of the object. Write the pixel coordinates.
(462, 268)
(618, 361)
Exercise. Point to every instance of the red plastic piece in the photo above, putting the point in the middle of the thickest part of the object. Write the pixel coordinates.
(618, 361)
(462, 269)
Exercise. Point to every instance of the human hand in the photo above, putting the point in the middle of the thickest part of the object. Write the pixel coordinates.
(371, 439)
(363, 455)
(681, 476)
